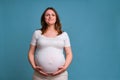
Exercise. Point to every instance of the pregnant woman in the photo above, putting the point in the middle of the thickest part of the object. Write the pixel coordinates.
(47, 48)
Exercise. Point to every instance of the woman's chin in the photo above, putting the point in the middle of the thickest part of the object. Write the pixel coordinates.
(51, 23)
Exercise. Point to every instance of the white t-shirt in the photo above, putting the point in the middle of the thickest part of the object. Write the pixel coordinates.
(49, 52)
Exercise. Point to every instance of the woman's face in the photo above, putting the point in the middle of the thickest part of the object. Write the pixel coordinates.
(50, 17)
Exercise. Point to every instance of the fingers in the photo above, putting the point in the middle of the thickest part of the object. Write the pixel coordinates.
(61, 67)
(38, 67)
(43, 73)
(40, 70)
(60, 70)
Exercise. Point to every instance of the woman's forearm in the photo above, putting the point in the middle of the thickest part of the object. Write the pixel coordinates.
(68, 60)
(31, 59)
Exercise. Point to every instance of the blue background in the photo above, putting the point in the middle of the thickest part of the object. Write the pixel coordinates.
(93, 27)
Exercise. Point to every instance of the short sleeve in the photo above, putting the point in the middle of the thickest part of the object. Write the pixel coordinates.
(34, 39)
(67, 40)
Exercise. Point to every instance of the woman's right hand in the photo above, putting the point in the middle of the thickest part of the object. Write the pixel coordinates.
(39, 70)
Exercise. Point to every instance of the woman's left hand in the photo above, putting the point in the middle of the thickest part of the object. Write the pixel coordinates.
(60, 70)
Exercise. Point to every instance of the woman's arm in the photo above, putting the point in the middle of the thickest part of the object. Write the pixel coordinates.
(32, 60)
(68, 60)
(31, 55)
(68, 52)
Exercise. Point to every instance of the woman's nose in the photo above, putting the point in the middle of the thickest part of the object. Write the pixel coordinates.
(50, 16)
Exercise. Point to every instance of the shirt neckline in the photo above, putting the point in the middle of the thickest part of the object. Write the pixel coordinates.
(50, 37)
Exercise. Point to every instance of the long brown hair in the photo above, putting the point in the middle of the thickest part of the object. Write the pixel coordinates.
(58, 26)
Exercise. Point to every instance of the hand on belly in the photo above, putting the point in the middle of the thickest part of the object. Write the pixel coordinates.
(50, 64)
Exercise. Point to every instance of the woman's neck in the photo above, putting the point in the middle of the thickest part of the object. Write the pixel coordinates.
(51, 28)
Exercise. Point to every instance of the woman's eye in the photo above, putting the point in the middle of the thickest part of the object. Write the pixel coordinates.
(50, 15)
(47, 15)
(53, 14)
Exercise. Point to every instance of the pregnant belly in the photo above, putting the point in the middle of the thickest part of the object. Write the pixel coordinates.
(50, 62)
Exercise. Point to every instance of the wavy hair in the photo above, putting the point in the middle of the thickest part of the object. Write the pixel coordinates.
(44, 25)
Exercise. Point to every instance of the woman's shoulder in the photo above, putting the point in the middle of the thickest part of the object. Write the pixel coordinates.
(37, 31)
(64, 33)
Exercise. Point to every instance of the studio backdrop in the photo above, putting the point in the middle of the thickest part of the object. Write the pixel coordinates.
(93, 27)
